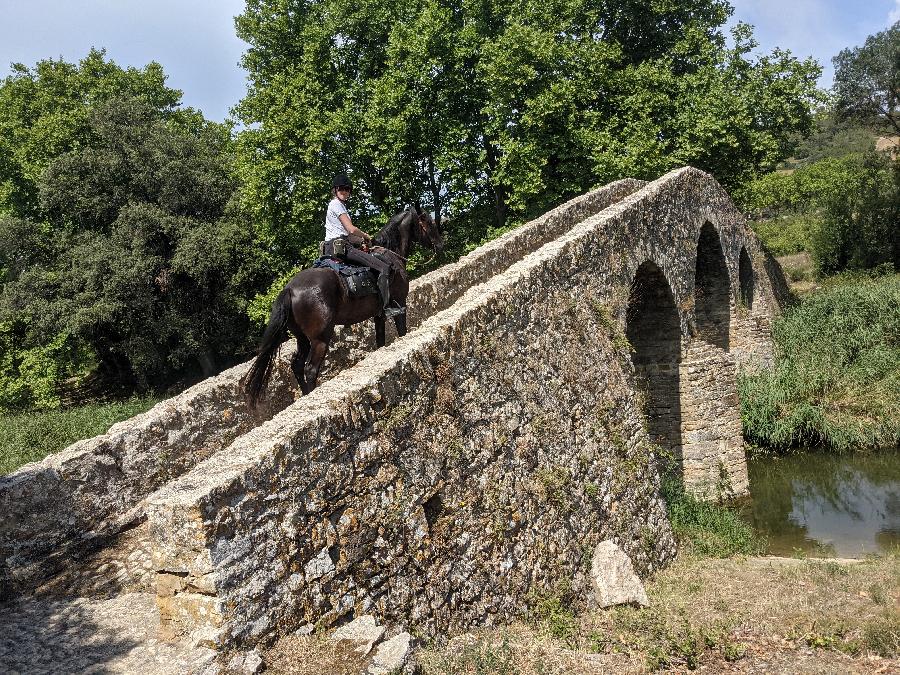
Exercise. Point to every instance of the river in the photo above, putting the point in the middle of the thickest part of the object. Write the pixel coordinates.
(822, 504)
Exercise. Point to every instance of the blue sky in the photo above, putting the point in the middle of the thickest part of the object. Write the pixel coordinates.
(194, 40)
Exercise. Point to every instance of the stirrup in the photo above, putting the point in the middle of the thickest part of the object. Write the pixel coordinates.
(394, 311)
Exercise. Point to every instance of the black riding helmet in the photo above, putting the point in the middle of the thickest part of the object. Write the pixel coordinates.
(341, 180)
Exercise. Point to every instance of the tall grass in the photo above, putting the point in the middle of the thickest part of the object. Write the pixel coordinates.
(30, 436)
(708, 529)
(836, 378)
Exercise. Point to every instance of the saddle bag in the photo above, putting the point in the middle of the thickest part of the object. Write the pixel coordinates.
(335, 248)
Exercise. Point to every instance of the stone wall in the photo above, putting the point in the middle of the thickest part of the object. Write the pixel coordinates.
(75, 499)
(78, 497)
(445, 479)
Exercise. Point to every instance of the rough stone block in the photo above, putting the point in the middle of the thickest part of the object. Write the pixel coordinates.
(613, 579)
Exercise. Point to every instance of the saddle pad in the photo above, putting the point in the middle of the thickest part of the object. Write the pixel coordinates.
(360, 281)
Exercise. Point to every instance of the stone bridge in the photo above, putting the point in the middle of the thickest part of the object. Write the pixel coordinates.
(550, 378)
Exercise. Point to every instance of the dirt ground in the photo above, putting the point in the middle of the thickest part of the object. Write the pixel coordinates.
(739, 615)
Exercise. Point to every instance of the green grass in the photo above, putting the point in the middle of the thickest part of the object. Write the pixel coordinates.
(30, 436)
(708, 529)
(836, 379)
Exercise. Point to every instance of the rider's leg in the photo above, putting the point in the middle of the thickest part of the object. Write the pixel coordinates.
(380, 266)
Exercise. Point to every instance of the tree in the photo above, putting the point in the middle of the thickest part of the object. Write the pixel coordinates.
(44, 112)
(136, 260)
(493, 110)
(867, 80)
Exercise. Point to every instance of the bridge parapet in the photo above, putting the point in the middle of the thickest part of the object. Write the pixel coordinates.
(444, 480)
(76, 499)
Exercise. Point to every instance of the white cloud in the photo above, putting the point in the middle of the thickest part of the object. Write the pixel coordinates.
(894, 16)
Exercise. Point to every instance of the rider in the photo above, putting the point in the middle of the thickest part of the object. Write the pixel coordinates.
(339, 226)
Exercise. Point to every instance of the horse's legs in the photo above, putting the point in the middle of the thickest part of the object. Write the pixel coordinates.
(318, 349)
(400, 323)
(379, 331)
(298, 362)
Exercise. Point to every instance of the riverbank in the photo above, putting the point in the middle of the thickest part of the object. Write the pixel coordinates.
(740, 614)
(835, 384)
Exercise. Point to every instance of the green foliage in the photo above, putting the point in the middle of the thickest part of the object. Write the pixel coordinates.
(843, 211)
(866, 80)
(836, 378)
(832, 138)
(788, 233)
(29, 437)
(708, 529)
(45, 110)
(494, 111)
(30, 376)
(126, 251)
(554, 615)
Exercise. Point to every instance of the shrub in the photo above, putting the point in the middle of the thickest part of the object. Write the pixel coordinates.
(843, 211)
(836, 378)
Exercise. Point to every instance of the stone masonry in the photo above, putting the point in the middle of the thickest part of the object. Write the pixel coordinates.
(77, 499)
(455, 475)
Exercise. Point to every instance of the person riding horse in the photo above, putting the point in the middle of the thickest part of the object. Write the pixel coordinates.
(316, 299)
(338, 226)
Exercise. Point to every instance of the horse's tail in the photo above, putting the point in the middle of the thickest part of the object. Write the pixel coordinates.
(256, 378)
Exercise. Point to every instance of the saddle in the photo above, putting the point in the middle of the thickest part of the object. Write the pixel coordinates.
(360, 281)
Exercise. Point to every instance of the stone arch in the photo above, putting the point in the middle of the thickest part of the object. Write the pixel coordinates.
(654, 331)
(712, 290)
(745, 277)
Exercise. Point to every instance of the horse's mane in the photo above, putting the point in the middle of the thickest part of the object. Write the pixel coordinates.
(389, 237)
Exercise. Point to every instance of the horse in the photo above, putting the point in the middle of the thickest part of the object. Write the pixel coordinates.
(316, 300)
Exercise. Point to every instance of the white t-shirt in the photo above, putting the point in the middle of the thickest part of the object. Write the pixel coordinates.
(333, 226)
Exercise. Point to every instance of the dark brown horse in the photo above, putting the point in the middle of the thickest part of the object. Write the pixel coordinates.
(316, 300)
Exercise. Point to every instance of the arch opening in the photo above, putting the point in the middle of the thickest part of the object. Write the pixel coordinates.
(654, 331)
(712, 287)
(745, 277)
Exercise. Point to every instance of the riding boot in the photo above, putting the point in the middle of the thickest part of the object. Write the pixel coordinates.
(384, 288)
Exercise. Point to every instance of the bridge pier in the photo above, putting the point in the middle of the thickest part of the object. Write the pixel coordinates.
(713, 461)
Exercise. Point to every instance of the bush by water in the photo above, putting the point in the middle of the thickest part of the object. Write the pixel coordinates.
(836, 378)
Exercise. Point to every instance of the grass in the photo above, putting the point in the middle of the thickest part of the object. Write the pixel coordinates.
(706, 528)
(836, 378)
(30, 436)
(767, 614)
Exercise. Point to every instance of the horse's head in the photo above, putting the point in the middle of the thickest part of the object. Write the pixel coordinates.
(426, 232)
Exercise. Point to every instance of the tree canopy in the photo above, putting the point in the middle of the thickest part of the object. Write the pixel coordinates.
(867, 80)
(123, 250)
(44, 112)
(496, 109)
(136, 236)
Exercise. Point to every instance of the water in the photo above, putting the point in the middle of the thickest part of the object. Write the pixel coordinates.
(829, 505)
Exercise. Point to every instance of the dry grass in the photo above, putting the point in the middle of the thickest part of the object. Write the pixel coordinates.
(800, 272)
(733, 615)
(737, 615)
(314, 655)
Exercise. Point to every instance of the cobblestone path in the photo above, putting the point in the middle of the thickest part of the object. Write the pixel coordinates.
(97, 616)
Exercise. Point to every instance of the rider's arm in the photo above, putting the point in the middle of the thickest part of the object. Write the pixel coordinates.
(351, 228)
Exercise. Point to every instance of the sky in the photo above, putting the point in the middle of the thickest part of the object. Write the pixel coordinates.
(195, 42)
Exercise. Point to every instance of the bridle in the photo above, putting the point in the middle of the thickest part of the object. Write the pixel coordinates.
(423, 227)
